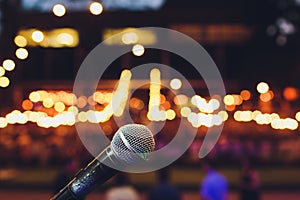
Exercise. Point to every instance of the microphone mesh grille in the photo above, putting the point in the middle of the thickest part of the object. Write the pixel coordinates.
(133, 142)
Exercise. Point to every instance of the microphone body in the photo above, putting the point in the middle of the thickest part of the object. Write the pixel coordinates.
(87, 179)
(131, 144)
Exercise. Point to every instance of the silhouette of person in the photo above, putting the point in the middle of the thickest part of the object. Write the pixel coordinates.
(164, 190)
(214, 186)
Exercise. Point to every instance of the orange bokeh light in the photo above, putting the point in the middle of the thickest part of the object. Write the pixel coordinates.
(290, 93)
(27, 104)
(245, 94)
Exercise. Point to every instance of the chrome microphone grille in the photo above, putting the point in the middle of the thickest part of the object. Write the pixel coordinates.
(133, 142)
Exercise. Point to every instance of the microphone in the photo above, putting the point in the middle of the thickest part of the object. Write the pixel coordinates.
(132, 143)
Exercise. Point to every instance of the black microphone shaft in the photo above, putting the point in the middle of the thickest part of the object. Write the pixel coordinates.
(88, 178)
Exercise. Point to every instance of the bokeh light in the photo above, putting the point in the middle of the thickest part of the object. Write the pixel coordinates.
(59, 10)
(96, 8)
(2, 71)
(175, 84)
(262, 87)
(20, 41)
(8, 64)
(228, 100)
(37, 36)
(4, 81)
(138, 50)
(21, 53)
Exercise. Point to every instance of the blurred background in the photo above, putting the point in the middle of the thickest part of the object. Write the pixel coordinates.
(255, 45)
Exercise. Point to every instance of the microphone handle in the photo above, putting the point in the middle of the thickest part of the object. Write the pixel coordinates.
(88, 178)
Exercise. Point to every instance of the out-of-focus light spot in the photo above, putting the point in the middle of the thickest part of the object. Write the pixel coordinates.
(48, 102)
(297, 116)
(91, 101)
(255, 114)
(27, 104)
(3, 122)
(262, 87)
(8, 64)
(185, 111)
(265, 97)
(238, 100)
(245, 94)
(96, 8)
(59, 10)
(237, 115)
(181, 99)
(171, 114)
(2, 71)
(138, 50)
(198, 101)
(136, 103)
(4, 81)
(65, 38)
(81, 102)
(223, 114)
(82, 117)
(37, 36)
(230, 107)
(214, 104)
(175, 84)
(246, 116)
(290, 93)
(73, 109)
(22, 53)
(289, 123)
(20, 41)
(59, 106)
(130, 38)
(34, 97)
(228, 100)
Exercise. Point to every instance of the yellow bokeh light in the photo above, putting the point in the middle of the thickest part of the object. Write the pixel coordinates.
(82, 117)
(262, 87)
(228, 100)
(185, 111)
(48, 102)
(8, 64)
(37, 36)
(3, 122)
(22, 53)
(59, 10)
(130, 38)
(4, 81)
(223, 114)
(65, 38)
(96, 8)
(20, 41)
(171, 114)
(138, 50)
(73, 109)
(59, 106)
(2, 71)
(34, 97)
(297, 116)
(175, 83)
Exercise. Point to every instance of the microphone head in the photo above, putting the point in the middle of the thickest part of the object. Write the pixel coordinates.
(133, 143)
